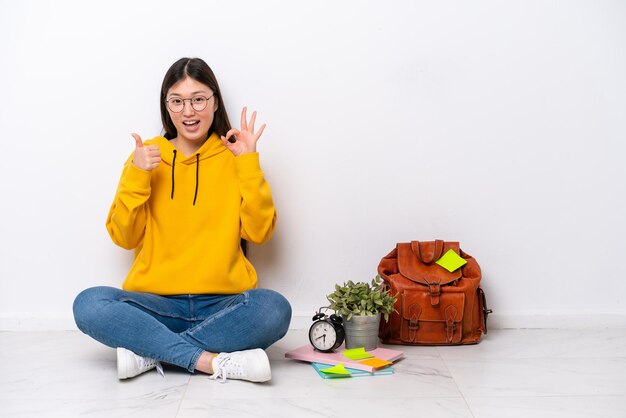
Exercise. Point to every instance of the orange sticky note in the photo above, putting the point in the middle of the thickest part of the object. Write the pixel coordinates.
(375, 362)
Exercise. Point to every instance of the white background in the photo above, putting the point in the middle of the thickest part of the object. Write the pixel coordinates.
(497, 124)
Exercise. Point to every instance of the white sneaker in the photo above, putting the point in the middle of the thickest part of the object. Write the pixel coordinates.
(252, 365)
(130, 364)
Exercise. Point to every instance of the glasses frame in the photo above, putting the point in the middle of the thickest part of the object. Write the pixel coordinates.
(167, 103)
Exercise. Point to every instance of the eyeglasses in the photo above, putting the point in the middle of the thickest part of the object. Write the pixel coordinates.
(198, 103)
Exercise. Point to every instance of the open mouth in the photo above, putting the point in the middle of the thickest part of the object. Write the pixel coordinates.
(191, 126)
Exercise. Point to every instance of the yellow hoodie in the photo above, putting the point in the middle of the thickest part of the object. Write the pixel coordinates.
(186, 217)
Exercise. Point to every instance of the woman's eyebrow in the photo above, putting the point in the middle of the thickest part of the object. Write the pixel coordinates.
(192, 93)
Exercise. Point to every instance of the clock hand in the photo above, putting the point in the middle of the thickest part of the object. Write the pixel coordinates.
(324, 335)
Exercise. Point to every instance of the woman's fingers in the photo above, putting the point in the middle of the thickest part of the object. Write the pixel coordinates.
(258, 134)
(244, 121)
(153, 150)
(146, 157)
(138, 141)
(245, 126)
(252, 119)
(245, 138)
(231, 136)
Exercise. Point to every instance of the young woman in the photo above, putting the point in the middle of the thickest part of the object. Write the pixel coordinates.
(184, 203)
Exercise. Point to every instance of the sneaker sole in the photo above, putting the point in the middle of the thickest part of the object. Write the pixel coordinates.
(122, 368)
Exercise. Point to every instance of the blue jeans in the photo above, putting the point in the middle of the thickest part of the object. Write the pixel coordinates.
(177, 329)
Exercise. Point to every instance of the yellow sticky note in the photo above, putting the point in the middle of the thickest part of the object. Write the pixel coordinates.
(356, 353)
(338, 369)
(451, 261)
(375, 362)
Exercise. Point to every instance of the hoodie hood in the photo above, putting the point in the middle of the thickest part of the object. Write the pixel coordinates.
(211, 147)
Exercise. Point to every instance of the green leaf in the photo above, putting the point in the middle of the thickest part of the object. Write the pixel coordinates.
(362, 298)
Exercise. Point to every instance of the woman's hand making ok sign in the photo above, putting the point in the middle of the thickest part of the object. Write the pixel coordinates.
(243, 141)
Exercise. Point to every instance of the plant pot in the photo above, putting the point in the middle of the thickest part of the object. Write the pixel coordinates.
(362, 331)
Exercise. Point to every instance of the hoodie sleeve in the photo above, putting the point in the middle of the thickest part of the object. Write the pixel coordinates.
(258, 215)
(126, 222)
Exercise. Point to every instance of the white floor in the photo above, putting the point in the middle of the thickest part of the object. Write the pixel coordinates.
(512, 373)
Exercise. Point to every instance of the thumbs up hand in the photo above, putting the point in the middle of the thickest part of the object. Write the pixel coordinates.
(146, 158)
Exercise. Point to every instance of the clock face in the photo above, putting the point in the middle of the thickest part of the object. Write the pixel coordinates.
(322, 335)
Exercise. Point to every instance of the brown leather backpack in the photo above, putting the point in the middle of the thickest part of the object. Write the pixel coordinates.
(434, 306)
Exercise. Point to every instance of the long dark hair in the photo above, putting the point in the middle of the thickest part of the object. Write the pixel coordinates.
(198, 70)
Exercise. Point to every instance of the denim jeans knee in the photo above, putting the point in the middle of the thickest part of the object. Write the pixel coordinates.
(85, 306)
(277, 310)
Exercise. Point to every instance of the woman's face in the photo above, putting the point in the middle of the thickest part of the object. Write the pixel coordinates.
(191, 125)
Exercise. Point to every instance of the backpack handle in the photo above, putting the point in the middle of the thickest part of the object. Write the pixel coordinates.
(426, 252)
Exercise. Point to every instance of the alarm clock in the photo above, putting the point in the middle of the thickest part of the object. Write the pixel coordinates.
(326, 332)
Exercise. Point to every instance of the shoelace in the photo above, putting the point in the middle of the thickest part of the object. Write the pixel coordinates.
(222, 362)
(148, 362)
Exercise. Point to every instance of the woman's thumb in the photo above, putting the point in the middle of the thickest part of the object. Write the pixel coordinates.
(138, 141)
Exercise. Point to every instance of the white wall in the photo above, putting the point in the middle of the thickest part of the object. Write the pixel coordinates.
(499, 124)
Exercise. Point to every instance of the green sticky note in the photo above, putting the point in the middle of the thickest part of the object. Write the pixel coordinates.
(356, 353)
(451, 261)
(338, 369)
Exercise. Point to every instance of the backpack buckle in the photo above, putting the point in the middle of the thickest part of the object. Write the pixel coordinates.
(434, 289)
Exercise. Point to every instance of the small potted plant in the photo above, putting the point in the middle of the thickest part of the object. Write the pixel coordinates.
(361, 306)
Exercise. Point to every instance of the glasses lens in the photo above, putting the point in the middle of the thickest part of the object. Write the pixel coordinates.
(175, 105)
(199, 103)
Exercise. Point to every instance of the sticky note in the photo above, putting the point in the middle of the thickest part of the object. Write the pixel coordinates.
(375, 362)
(353, 372)
(338, 369)
(357, 353)
(451, 261)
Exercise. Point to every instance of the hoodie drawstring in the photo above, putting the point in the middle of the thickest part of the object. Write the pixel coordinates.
(173, 163)
(197, 179)
(195, 195)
